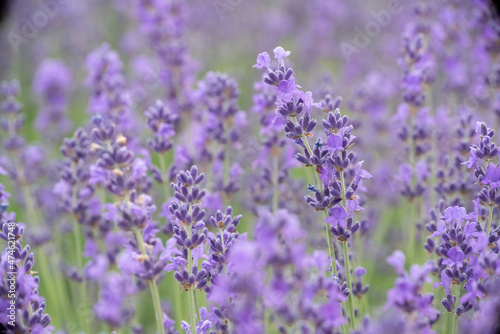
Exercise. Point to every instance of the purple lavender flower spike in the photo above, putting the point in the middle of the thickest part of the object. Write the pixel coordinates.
(51, 85)
(19, 286)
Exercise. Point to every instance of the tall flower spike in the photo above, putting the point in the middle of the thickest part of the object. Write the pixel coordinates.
(24, 307)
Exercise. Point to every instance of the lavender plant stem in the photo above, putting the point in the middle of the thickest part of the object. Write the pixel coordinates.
(53, 291)
(456, 292)
(275, 183)
(490, 218)
(83, 288)
(413, 228)
(152, 287)
(350, 301)
(192, 302)
(171, 281)
(413, 223)
(346, 260)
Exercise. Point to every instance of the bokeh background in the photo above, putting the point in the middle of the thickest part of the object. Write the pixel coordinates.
(352, 49)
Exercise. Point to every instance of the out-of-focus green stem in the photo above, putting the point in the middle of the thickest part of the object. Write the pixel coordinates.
(170, 280)
(192, 301)
(275, 182)
(196, 305)
(347, 265)
(83, 284)
(490, 218)
(349, 285)
(454, 322)
(411, 158)
(152, 287)
(163, 169)
(412, 231)
(53, 285)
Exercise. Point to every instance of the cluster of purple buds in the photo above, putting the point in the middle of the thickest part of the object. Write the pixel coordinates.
(73, 188)
(407, 296)
(109, 96)
(328, 198)
(24, 163)
(223, 123)
(417, 61)
(221, 243)
(343, 226)
(219, 94)
(51, 85)
(116, 167)
(358, 288)
(457, 251)
(291, 102)
(12, 120)
(189, 230)
(453, 180)
(23, 306)
(162, 122)
(275, 160)
(260, 281)
(342, 163)
(482, 159)
(264, 103)
(164, 24)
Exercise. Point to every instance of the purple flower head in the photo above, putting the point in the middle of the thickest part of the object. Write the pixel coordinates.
(441, 228)
(334, 143)
(492, 176)
(353, 206)
(361, 173)
(287, 86)
(455, 257)
(455, 214)
(263, 61)
(186, 327)
(52, 82)
(360, 271)
(472, 162)
(405, 173)
(445, 282)
(397, 260)
(337, 216)
(280, 54)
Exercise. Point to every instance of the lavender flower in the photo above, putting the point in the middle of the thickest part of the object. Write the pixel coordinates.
(23, 309)
(51, 85)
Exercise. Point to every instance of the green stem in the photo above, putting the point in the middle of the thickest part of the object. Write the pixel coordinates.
(170, 280)
(164, 175)
(83, 284)
(346, 257)
(454, 323)
(157, 305)
(196, 304)
(331, 249)
(490, 218)
(349, 284)
(342, 184)
(412, 232)
(56, 297)
(275, 183)
(267, 321)
(413, 214)
(162, 164)
(222, 240)
(190, 291)
(152, 287)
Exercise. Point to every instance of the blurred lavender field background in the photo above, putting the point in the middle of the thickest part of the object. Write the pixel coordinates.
(236, 166)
